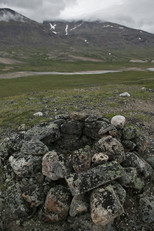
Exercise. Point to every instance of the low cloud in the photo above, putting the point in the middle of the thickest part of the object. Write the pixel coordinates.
(136, 14)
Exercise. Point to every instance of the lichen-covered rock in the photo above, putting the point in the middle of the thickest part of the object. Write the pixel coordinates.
(25, 165)
(118, 121)
(105, 206)
(34, 147)
(10, 145)
(131, 179)
(81, 159)
(52, 166)
(82, 182)
(57, 204)
(130, 133)
(132, 160)
(78, 206)
(99, 158)
(146, 208)
(111, 147)
(50, 132)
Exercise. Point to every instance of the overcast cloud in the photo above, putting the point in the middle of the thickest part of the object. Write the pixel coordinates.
(133, 13)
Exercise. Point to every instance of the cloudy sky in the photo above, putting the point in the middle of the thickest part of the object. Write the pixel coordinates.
(132, 13)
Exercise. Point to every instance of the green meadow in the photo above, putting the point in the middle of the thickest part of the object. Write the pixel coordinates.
(52, 94)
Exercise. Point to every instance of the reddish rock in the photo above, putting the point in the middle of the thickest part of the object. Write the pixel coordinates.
(57, 204)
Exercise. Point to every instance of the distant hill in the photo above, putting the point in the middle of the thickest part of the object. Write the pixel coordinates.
(72, 40)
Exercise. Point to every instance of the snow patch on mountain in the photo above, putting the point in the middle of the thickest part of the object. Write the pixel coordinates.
(52, 26)
(66, 30)
(76, 26)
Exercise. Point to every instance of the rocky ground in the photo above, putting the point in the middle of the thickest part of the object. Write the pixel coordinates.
(80, 171)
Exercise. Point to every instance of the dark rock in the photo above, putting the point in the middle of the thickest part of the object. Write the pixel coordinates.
(111, 147)
(34, 147)
(146, 208)
(128, 145)
(34, 197)
(120, 192)
(80, 183)
(130, 133)
(57, 204)
(92, 126)
(105, 206)
(72, 128)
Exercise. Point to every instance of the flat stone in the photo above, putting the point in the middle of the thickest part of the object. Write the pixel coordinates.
(34, 147)
(57, 204)
(72, 128)
(118, 121)
(109, 129)
(52, 167)
(80, 183)
(111, 147)
(105, 206)
(50, 131)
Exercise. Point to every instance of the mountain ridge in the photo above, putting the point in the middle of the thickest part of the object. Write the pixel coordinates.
(103, 40)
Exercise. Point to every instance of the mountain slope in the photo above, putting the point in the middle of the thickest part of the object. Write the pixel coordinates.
(64, 40)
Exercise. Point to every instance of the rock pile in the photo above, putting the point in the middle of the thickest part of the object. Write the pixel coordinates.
(79, 170)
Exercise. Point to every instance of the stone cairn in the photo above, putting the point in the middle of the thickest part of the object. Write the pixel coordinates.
(77, 164)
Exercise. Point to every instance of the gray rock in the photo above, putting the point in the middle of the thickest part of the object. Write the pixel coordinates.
(52, 167)
(131, 179)
(50, 131)
(78, 116)
(80, 183)
(146, 208)
(132, 160)
(111, 147)
(78, 206)
(38, 114)
(34, 147)
(57, 203)
(105, 206)
(33, 197)
(25, 165)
